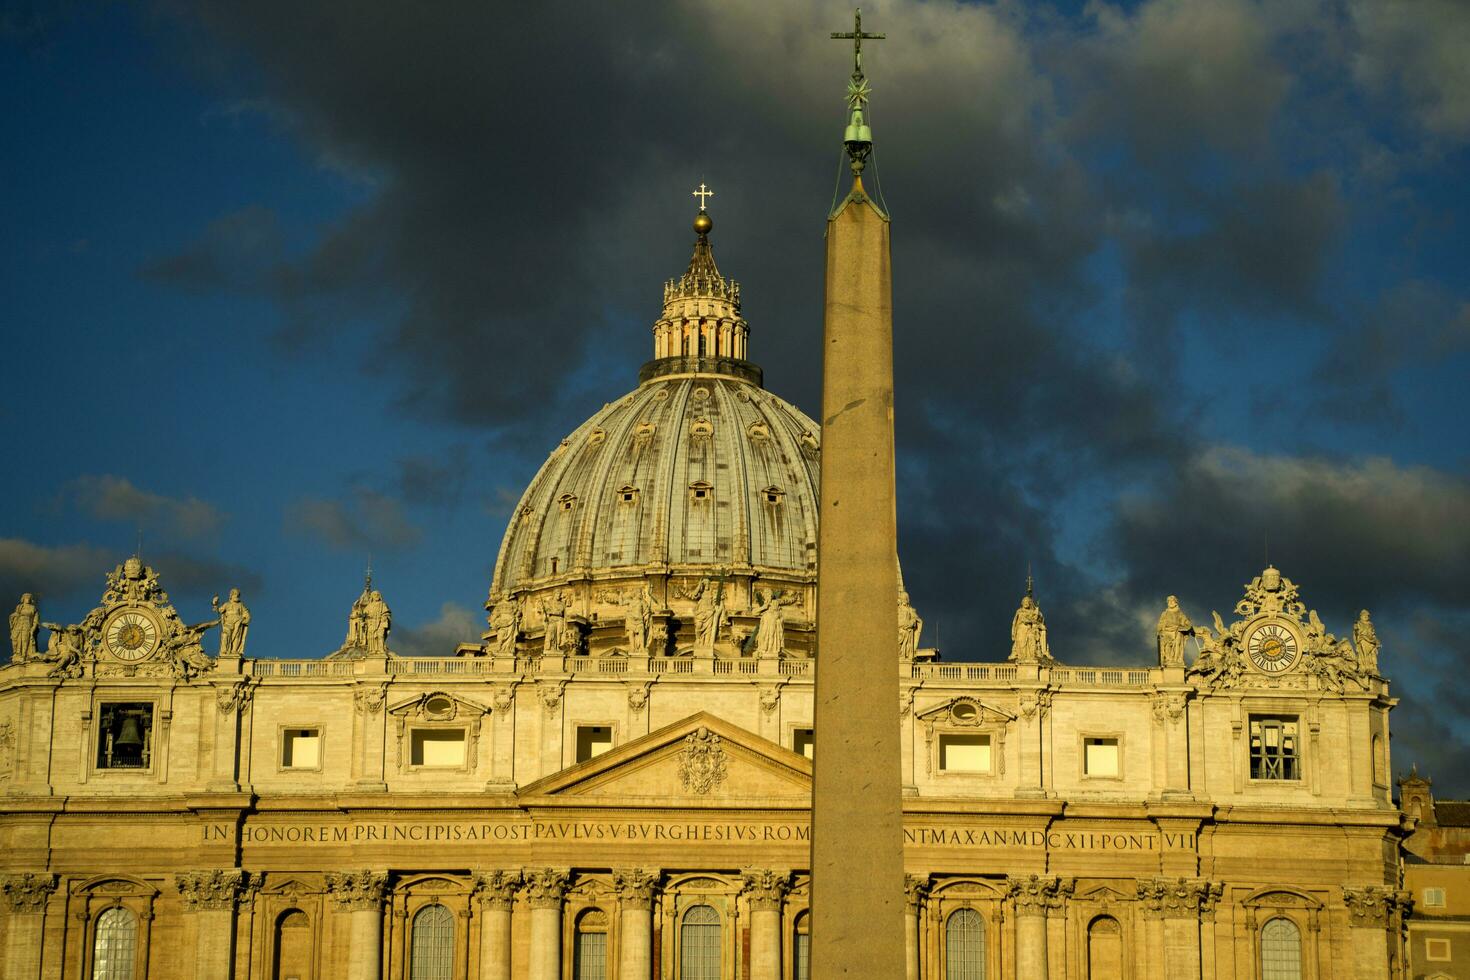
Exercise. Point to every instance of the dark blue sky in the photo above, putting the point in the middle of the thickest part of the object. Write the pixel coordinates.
(292, 284)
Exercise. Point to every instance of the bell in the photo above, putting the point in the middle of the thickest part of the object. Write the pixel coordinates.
(130, 734)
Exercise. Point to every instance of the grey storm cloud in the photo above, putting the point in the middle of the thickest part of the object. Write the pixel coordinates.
(114, 498)
(526, 171)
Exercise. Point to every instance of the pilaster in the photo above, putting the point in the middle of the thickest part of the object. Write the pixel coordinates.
(915, 891)
(360, 894)
(210, 896)
(1371, 917)
(497, 890)
(23, 899)
(636, 888)
(765, 890)
(545, 890)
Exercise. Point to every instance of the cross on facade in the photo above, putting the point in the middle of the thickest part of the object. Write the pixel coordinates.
(857, 37)
(703, 193)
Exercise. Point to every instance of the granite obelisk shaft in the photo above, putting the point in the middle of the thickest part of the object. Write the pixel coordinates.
(857, 818)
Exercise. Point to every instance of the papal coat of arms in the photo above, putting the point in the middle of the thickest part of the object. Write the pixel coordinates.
(702, 766)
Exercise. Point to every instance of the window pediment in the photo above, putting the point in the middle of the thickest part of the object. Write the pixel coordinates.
(438, 706)
(965, 712)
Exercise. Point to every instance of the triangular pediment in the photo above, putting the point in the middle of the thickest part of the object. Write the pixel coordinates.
(701, 758)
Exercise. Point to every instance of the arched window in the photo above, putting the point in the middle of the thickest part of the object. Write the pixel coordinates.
(115, 949)
(964, 946)
(1281, 950)
(589, 952)
(293, 945)
(1104, 949)
(699, 944)
(433, 944)
(801, 948)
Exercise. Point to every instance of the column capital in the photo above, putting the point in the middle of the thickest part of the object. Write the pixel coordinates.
(1371, 906)
(1038, 894)
(27, 891)
(213, 890)
(764, 888)
(635, 887)
(357, 891)
(498, 888)
(1178, 898)
(915, 890)
(546, 888)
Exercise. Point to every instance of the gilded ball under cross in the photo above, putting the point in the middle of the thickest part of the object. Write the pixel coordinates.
(702, 223)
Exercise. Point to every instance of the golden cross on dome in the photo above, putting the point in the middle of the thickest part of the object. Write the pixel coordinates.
(703, 193)
(857, 37)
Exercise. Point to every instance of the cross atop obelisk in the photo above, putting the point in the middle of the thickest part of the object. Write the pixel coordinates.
(859, 136)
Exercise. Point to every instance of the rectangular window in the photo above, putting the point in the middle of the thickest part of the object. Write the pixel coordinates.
(125, 735)
(301, 748)
(1100, 758)
(1434, 898)
(440, 748)
(1437, 949)
(968, 752)
(593, 740)
(1275, 753)
(803, 740)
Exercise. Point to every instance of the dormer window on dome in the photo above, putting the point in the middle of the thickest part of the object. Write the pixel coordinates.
(699, 491)
(566, 501)
(773, 495)
(628, 494)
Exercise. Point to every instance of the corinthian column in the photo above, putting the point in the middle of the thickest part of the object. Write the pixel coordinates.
(544, 892)
(1033, 896)
(635, 895)
(915, 889)
(1370, 914)
(360, 894)
(764, 891)
(1179, 903)
(23, 899)
(209, 896)
(497, 899)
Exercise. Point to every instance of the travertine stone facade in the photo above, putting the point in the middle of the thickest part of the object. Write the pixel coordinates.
(636, 793)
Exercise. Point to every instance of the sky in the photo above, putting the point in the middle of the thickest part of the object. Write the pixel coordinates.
(1179, 289)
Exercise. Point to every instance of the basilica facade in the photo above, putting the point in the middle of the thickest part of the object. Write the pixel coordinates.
(615, 780)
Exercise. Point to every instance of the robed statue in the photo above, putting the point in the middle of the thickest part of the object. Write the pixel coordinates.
(1174, 627)
(709, 613)
(770, 636)
(234, 623)
(377, 620)
(1028, 634)
(1365, 638)
(554, 613)
(23, 623)
(909, 628)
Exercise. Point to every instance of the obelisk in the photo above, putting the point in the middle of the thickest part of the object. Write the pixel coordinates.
(857, 818)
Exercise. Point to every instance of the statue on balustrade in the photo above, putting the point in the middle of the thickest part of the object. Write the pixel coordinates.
(377, 620)
(1365, 638)
(770, 634)
(505, 623)
(1174, 627)
(709, 613)
(554, 613)
(234, 623)
(637, 619)
(1028, 633)
(909, 628)
(23, 623)
(357, 620)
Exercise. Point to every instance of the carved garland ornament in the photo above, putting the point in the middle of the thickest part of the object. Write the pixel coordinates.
(638, 697)
(1177, 898)
(207, 891)
(234, 697)
(702, 764)
(26, 892)
(1168, 706)
(368, 700)
(357, 890)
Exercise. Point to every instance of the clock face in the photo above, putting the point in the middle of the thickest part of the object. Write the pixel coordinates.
(1272, 648)
(130, 634)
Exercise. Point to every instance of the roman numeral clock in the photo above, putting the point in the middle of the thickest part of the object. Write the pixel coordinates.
(1272, 646)
(131, 634)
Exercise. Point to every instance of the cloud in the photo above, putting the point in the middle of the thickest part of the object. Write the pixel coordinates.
(239, 251)
(76, 574)
(115, 498)
(1352, 532)
(1416, 50)
(434, 480)
(439, 637)
(368, 521)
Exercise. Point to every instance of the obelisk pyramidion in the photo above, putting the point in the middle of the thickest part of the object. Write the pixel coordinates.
(857, 819)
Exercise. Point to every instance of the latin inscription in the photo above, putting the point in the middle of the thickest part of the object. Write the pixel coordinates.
(637, 832)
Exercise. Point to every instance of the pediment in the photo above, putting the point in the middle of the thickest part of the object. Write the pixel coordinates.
(438, 706)
(697, 759)
(966, 711)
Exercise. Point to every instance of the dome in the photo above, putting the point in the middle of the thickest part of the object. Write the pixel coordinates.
(690, 469)
(696, 491)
